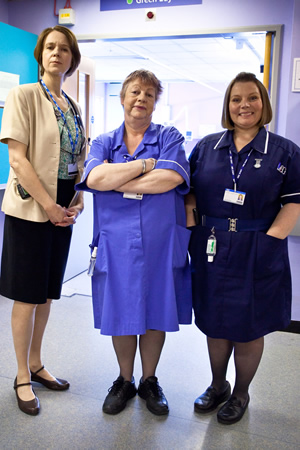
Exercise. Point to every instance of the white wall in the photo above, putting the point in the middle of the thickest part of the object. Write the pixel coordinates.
(79, 255)
(195, 108)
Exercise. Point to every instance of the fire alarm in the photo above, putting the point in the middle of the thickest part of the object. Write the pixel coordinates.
(150, 15)
(66, 16)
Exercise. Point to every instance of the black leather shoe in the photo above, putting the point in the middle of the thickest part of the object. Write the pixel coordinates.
(151, 391)
(31, 407)
(118, 395)
(232, 411)
(210, 399)
(56, 385)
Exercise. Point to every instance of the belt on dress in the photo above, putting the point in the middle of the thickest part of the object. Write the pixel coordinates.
(236, 224)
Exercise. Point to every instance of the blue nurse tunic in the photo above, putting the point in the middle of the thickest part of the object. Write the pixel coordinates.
(245, 292)
(142, 277)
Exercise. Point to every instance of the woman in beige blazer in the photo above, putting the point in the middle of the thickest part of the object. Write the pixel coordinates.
(43, 129)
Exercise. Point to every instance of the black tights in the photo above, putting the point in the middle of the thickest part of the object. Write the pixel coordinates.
(150, 344)
(247, 356)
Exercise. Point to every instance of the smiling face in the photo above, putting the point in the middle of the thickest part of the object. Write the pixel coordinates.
(245, 105)
(57, 55)
(139, 101)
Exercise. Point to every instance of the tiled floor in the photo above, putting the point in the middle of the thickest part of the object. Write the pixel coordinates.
(74, 350)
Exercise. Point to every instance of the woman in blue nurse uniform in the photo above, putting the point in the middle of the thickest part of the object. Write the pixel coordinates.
(246, 196)
(141, 282)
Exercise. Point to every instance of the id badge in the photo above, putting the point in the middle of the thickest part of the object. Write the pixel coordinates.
(72, 169)
(236, 197)
(132, 196)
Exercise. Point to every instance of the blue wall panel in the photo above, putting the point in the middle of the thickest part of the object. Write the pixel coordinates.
(16, 56)
(16, 53)
(4, 165)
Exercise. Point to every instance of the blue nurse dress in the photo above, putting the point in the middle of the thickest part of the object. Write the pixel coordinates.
(142, 277)
(245, 292)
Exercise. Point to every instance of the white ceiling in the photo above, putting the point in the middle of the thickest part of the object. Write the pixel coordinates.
(206, 60)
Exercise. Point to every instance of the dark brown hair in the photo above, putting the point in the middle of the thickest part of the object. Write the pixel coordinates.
(76, 56)
(146, 77)
(245, 77)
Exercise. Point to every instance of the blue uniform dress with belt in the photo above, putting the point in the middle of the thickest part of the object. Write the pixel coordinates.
(245, 292)
(142, 277)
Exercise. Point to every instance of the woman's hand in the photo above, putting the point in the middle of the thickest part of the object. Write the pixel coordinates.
(150, 164)
(285, 221)
(70, 217)
(56, 214)
(190, 204)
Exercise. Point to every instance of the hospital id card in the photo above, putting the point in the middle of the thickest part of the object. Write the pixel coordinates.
(72, 169)
(236, 197)
(132, 196)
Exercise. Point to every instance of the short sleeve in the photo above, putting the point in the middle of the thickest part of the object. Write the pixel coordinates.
(172, 156)
(291, 186)
(98, 154)
(15, 120)
(193, 159)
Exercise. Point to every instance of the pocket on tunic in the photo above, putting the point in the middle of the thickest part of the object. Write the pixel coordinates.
(272, 283)
(271, 255)
(101, 261)
(180, 246)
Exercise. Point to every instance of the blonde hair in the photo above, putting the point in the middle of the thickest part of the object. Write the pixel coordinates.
(146, 77)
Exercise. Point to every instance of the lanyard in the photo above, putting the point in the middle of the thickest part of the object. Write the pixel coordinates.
(241, 169)
(73, 144)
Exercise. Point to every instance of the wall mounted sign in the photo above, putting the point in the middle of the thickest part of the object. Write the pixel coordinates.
(113, 5)
(7, 82)
(296, 75)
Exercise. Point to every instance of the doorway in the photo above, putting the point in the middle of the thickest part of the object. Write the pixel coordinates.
(194, 69)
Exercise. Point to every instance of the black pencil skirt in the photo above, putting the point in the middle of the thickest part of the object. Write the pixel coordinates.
(34, 255)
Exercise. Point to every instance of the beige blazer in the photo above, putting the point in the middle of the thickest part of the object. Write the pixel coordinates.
(28, 117)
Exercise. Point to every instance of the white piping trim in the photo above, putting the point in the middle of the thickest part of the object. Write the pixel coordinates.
(266, 144)
(290, 195)
(219, 140)
(175, 162)
(93, 159)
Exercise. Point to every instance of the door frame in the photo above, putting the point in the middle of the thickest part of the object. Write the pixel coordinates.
(275, 29)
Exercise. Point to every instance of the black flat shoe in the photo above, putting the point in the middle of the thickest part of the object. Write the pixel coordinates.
(31, 407)
(232, 411)
(151, 391)
(55, 385)
(118, 395)
(211, 399)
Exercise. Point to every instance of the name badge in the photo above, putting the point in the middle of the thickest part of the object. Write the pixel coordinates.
(236, 197)
(72, 169)
(132, 196)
